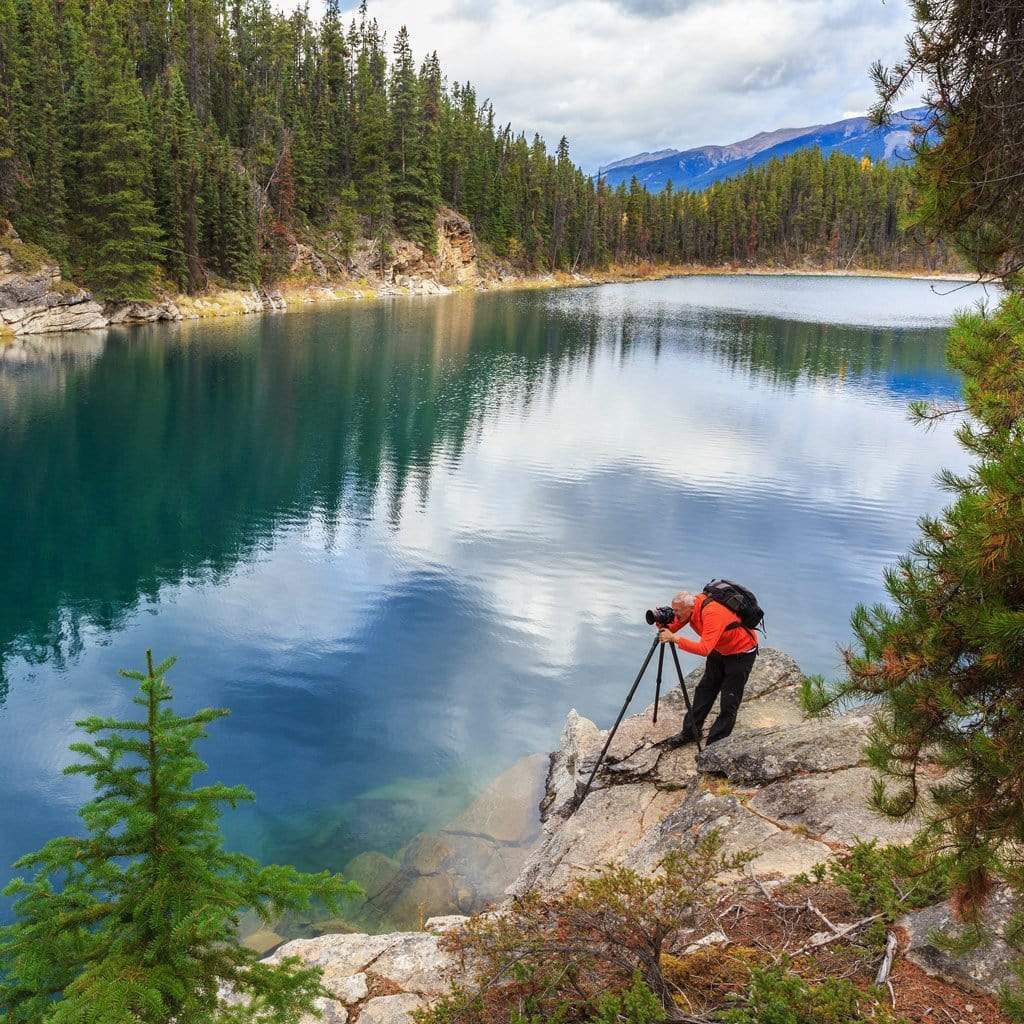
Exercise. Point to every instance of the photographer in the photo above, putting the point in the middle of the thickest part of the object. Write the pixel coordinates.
(730, 649)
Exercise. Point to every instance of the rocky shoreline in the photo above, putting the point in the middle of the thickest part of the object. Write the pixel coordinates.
(34, 298)
(788, 790)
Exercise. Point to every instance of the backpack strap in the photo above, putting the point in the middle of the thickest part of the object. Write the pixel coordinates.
(732, 625)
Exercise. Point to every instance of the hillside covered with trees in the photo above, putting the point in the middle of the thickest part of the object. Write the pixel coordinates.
(150, 144)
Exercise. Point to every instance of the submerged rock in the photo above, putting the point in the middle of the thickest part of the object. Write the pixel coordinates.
(463, 867)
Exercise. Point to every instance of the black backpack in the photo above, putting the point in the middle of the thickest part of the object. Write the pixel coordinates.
(737, 599)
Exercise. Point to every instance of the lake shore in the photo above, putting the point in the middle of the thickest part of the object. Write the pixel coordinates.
(35, 299)
(292, 295)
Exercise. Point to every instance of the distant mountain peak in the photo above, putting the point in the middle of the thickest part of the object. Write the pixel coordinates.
(704, 165)
(639, 158)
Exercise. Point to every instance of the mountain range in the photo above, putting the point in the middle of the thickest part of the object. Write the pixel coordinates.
(696, 169)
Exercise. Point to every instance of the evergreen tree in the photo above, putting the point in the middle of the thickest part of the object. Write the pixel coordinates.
(413, 207)
(136, 921)
(10, 90)
(177, 172)
(240, 258)
(969, 147)
(42, 204)
(336, 77)
(429, 150)
(116, 235)
(372, 175)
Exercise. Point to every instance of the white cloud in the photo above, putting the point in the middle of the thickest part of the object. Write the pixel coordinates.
(621, 76)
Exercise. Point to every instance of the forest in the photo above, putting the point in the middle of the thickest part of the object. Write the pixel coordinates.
(152, 145)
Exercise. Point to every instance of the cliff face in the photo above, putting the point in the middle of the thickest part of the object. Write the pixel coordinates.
(33, 297)
(791, 791)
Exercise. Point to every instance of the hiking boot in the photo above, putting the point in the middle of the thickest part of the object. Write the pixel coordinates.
(679, 740)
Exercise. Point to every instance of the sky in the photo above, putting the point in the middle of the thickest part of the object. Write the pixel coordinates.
(619, 77)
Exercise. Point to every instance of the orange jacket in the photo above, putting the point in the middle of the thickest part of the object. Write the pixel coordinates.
(710, 625)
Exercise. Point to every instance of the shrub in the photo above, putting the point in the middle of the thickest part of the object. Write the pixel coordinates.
(777, 996)
(891, 880)
(562, 957)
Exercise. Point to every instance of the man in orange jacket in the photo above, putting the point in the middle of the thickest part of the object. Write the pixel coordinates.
(730, 650)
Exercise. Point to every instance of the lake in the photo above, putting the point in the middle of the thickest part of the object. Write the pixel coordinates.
(399, 540)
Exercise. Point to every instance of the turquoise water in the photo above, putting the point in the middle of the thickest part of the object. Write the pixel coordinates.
(400, 540)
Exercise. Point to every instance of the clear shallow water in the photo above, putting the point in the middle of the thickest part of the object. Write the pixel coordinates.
(400, 540)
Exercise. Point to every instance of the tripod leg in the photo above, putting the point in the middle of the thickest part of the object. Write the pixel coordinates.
(618, 722)
(686, 696)
(657, 685)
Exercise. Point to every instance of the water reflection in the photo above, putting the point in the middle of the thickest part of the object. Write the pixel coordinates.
(400, 540)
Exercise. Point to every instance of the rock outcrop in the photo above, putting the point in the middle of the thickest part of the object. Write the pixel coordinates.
(377, 979)
(785, 789)
(456, 259)
(408, 269)
(33, 297)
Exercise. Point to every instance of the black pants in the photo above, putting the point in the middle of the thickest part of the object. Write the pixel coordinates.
(724, 674)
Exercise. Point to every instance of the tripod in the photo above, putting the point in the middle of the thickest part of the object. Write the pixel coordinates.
(629, 698)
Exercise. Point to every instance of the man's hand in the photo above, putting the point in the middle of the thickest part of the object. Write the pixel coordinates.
(666, 636)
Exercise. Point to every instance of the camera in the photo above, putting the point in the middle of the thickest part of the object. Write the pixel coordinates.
(659, 616)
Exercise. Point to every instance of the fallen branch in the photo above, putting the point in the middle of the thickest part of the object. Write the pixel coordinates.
(814, 910)
(843, 932)
(885, 967)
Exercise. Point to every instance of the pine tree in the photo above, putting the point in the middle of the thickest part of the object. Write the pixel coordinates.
(371, 172)
(116, 242)
(429, 150)
(10, 89)
(42, 204)
(969, 145)
(240, 260)
(177, 174)
(942, 664)
(336, 75)
(413, 208)
(136, 921)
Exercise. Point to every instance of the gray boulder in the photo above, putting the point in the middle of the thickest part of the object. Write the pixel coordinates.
(766, 755)
(776, 852)
(987, 969)
(397, 1009)
(143, 312)
(831, 806)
